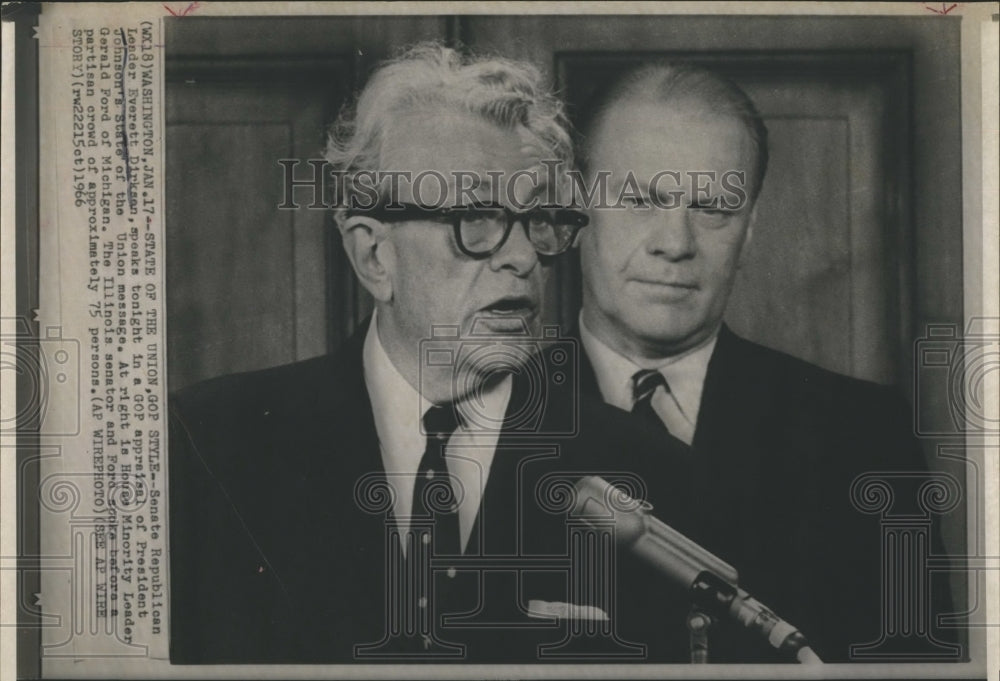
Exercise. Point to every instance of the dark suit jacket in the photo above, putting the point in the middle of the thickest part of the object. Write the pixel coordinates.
(777, 446)
(274, 558)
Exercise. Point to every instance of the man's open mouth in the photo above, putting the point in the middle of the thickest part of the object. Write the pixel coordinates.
(514, 305)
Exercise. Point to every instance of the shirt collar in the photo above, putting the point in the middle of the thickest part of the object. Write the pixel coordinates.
(685, 373)
(399, 407)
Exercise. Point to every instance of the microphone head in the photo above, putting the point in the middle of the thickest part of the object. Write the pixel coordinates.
(601, 504)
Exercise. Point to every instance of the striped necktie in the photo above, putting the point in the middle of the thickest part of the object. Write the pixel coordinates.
(644, 385)
(433, 494)
(663, 407)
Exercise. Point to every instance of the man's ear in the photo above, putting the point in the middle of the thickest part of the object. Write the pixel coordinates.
(371, 254)
(585, 233)
(749, 234)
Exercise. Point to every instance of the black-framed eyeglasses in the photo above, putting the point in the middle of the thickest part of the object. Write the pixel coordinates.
(482, 229)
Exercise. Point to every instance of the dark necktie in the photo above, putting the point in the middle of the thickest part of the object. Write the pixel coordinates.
(644, 385)
(433, 495)
(674, 468)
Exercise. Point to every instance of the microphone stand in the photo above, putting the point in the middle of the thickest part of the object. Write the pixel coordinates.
(712, 583)
(698, 624)
(714, 596)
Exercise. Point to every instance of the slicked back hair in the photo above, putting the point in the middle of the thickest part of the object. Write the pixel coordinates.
(679, 84)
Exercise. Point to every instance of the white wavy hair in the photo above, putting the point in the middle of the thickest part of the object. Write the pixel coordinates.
(505, 92)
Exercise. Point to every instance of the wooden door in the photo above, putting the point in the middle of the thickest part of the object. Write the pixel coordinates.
(252, 285)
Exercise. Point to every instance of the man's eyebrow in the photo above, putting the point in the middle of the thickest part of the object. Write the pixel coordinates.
(540, 187)
(467, 185)
(467, 179)
(663, 195)
(712, 201)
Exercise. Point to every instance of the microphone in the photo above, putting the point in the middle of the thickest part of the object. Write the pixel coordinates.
(713, 583)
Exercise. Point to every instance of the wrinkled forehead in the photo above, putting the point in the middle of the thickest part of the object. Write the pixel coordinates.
(433, 148)
(682, 145)
(688, 134)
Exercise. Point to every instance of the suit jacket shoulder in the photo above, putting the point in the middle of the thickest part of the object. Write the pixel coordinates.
(266, 400)
(262, 467)
(783, 445)
(741, 360)
(774, 394)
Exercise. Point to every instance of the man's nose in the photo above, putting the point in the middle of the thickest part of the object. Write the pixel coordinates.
(672, 234)
(517, 254)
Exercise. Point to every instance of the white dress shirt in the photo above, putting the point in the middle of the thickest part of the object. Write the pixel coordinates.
(399, 410)
(685, 374)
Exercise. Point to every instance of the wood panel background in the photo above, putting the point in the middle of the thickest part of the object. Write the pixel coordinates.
(251, 285)
(264, 267)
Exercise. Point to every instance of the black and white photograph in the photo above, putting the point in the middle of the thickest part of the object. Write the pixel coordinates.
(504, 340)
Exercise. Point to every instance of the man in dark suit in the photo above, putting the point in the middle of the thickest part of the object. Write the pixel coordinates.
(776, 443)
(335, 509)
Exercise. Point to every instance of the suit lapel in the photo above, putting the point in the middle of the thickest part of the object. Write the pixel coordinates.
(587, 377)
(498, 517)
(348, 476)
(729, 441)
(728, 393)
